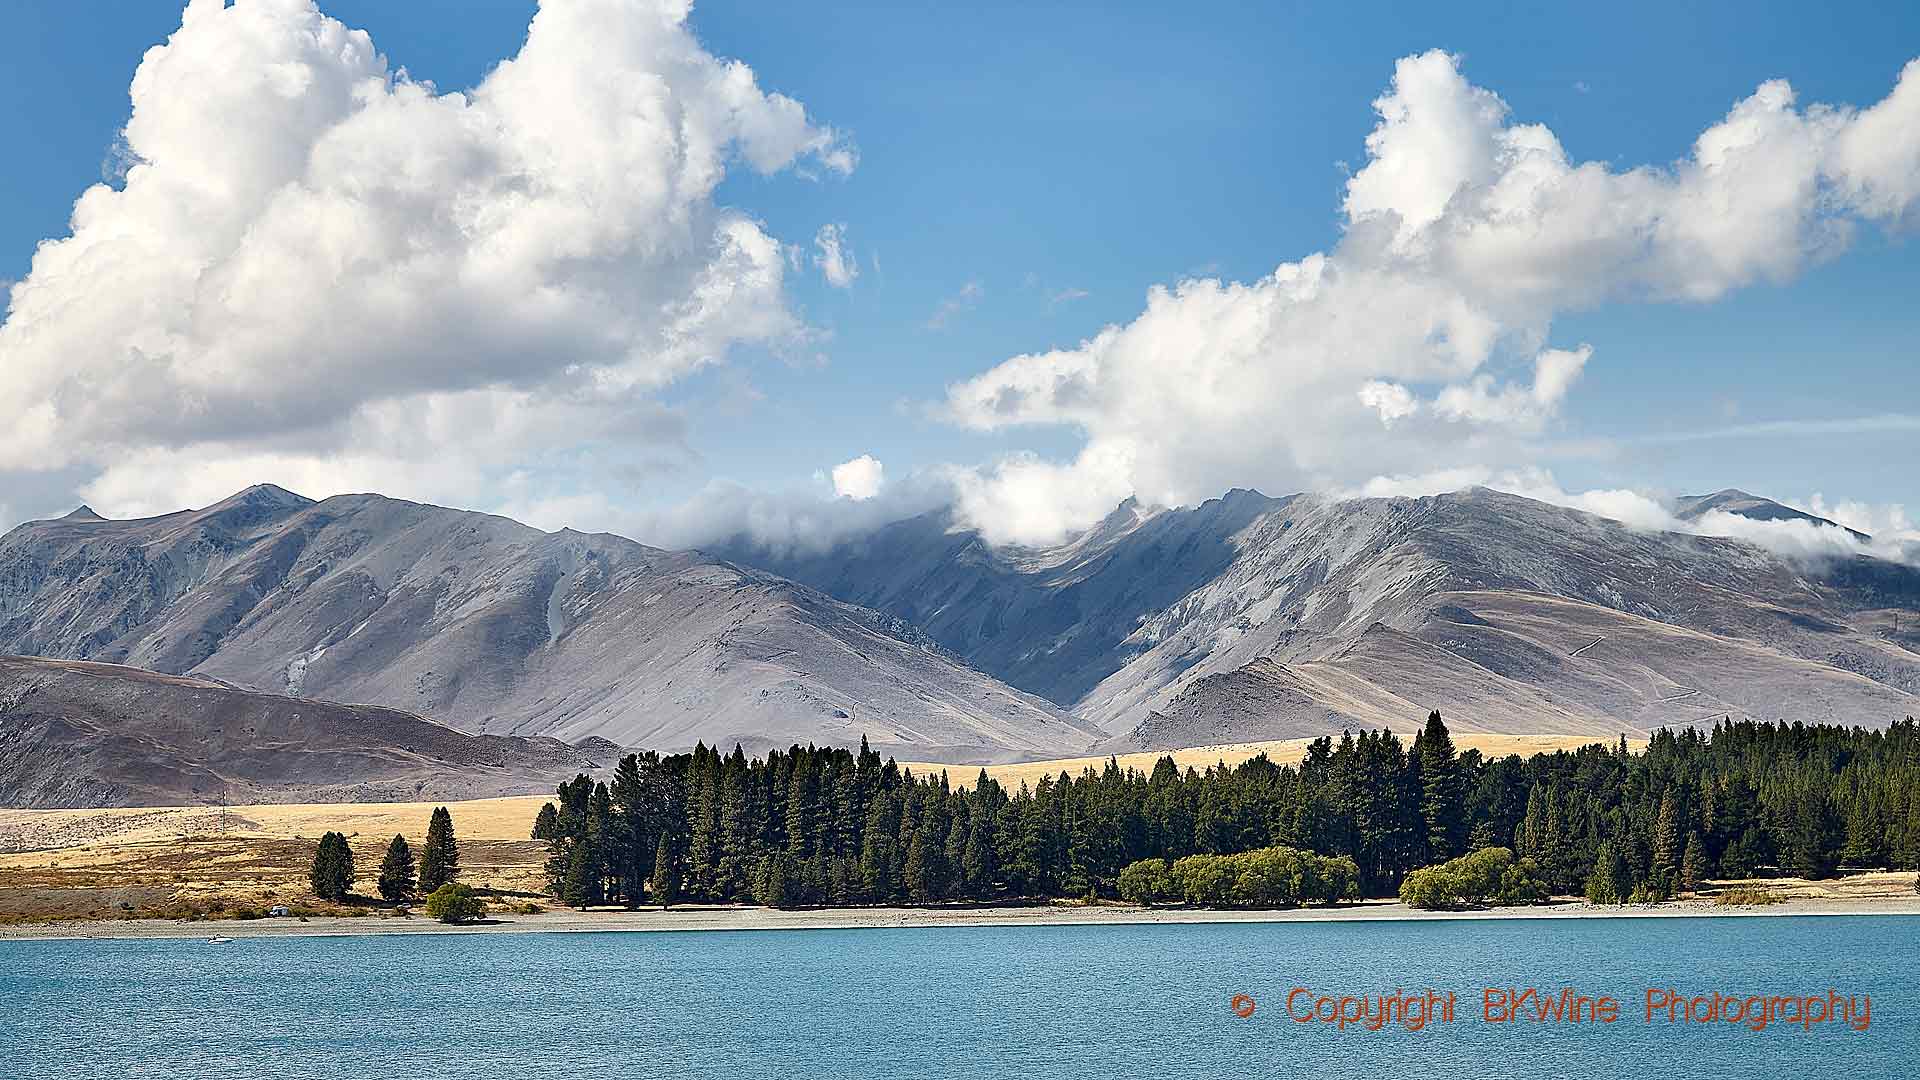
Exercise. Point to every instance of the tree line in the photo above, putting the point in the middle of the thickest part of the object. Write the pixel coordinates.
(817, 826)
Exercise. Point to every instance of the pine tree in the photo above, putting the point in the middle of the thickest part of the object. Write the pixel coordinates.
(1666, 847)
(703, 826)
(332, 874)
(665, 883)
(397, 877)
(1865, 835)
(629, 844)
(546, 825)
(440, 859)
(977, 862)
(739, 829)
(1611, 882)
(582, 889)
(1812, 835)
(1693, 866)
(1440, 790)
(878, 884)
(1483, 837)
(857, 829)
(926, 869)
(599, 843)
(772, 891)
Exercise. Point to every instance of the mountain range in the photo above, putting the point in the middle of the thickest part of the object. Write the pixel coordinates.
(1244, 618)
(498, 628)
(1250, 617)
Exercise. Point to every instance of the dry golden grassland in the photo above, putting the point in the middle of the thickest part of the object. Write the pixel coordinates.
(185, 862)
(1281, 751)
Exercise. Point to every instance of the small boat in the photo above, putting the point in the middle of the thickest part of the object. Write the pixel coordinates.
(217, 940)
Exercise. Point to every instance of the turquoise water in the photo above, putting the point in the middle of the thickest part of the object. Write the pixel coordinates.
(1142, 1001)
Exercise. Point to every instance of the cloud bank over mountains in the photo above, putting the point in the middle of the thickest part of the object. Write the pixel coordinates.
(1421, 343)
(322, 272)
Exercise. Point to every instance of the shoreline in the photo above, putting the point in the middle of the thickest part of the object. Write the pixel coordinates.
(694, 919)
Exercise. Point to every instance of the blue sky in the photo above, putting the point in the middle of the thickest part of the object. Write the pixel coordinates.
(1059, 160)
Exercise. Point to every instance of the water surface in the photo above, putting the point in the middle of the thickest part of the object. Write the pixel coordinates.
(1041, 1002)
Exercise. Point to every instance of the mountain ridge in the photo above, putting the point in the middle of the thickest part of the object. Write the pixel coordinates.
(1319, 613)
(1244, 618)
(497, 627)
(84, 734)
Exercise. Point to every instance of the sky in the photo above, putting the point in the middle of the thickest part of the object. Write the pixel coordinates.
(793, 269)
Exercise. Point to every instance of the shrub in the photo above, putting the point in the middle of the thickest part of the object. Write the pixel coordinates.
(455, 903)
(1522, 884)
(1431, 889)
(1488, 874)
(1148, 882)
(1204, 880)
(1339, 879)
(1269, 877)
(1746, 896)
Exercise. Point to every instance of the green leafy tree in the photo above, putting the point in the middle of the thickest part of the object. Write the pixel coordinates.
(1148, 882)
(397, 877)
(1489, 874)
(440, 858)
(455, 903)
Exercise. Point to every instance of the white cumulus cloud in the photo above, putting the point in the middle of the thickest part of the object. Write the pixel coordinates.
(1421, 342)
(320, 271)
(860, 478)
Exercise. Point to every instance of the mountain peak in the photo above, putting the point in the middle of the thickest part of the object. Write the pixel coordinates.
(1758, 508)
(263, 495)
(83, 512)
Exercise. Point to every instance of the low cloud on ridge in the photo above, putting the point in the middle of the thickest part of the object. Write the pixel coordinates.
(1891, 535)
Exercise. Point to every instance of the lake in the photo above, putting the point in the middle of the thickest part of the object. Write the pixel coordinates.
(1137, 1001)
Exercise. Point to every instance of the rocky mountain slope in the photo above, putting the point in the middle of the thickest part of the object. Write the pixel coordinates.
(495, 627)
(1283, 618)
(76, 734)
(1052, 621)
